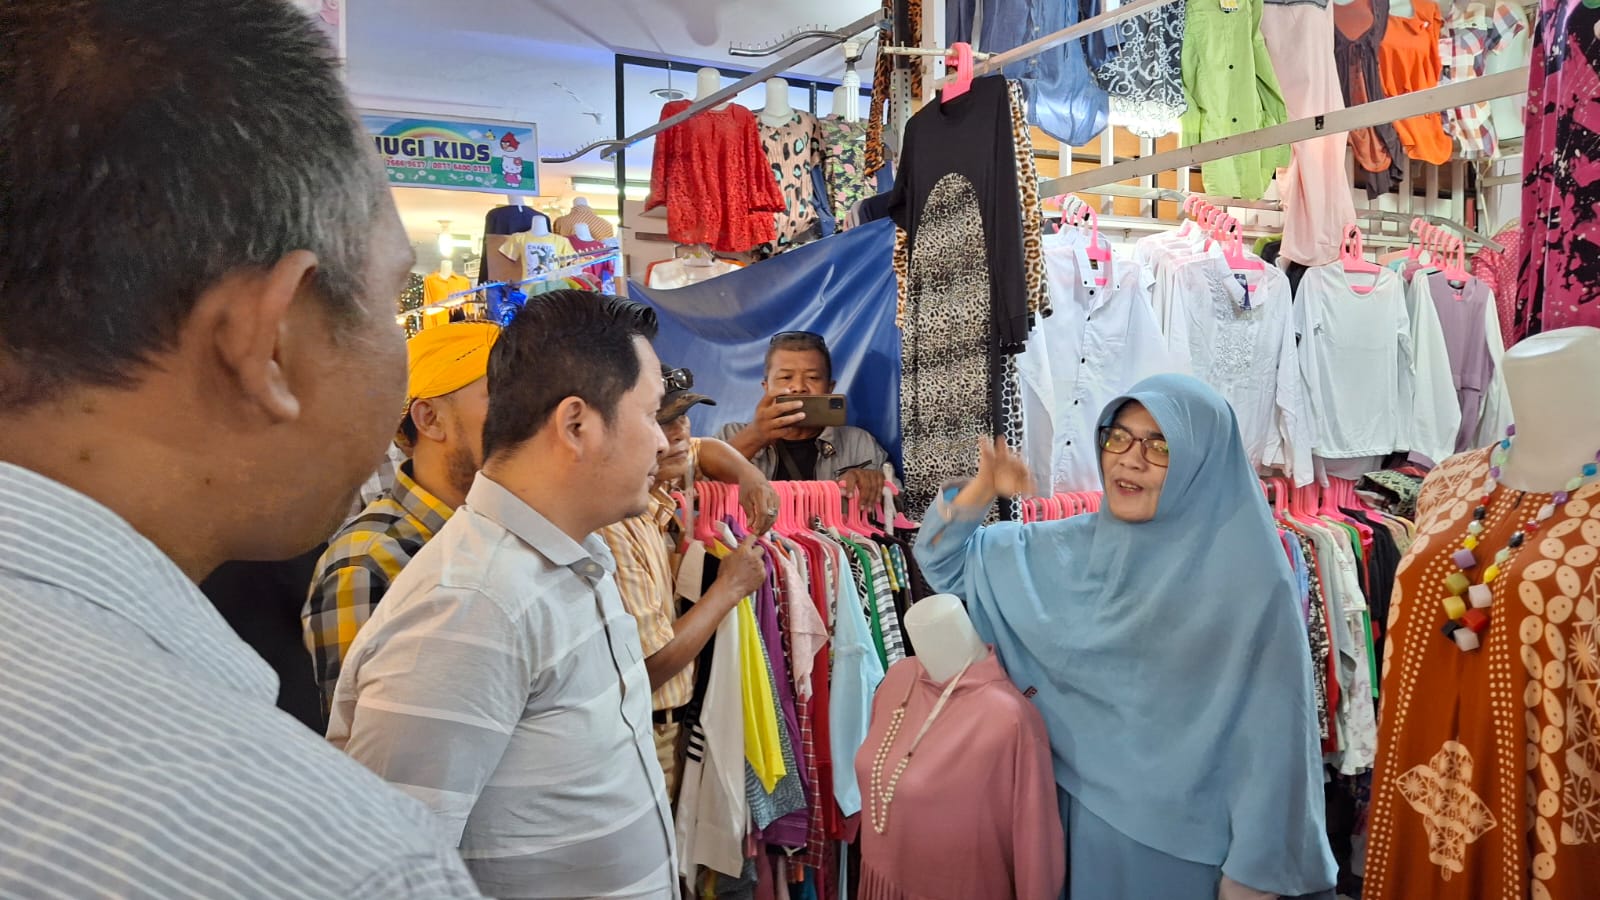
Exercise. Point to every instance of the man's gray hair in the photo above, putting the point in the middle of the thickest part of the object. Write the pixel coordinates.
(151, 148)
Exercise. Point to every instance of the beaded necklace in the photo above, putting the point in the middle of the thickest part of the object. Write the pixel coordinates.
(880, 794)
(1466, 605)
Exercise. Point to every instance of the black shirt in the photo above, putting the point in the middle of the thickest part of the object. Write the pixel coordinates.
(802, 455)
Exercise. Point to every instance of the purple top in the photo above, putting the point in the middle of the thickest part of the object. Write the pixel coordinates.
(1466, 335)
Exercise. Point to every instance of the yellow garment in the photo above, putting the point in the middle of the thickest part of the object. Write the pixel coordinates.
(436, 287)
(446, 358)
(762, 747)
(537, 252)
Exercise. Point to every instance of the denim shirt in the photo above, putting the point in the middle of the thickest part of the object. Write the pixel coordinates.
(1062, 97)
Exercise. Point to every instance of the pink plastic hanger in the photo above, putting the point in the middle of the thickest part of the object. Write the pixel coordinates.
(1352, 261)
(961, 58)
(1100, 256)
(1238, 260)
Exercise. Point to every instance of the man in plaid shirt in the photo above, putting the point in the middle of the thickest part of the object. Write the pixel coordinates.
(447, 401)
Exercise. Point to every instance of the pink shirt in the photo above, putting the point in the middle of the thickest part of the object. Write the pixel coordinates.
(975, 812)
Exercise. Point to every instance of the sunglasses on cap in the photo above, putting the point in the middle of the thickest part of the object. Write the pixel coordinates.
(812, 336)
(677, 380)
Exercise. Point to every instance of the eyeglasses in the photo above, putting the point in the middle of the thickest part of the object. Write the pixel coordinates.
(678, 380)
(1119, 441)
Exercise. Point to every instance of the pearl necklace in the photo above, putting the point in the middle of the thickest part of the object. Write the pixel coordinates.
(1466, 605)
(879, 796)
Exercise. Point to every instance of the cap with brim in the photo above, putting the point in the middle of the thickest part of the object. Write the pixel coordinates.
(677, 403)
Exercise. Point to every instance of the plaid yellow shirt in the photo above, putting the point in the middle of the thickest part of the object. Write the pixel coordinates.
(646, 576)
(360, 562)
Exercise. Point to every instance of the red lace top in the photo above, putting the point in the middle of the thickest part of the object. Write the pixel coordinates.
(712, 174)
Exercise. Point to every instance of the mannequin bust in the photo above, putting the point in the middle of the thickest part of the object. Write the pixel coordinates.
(707, 82)
(577, 202)
(541, 226)
(1401, 9)
(944, 637)
(777, 111)
(581, 232)
(446, 268)
(846, 103)
(1554, 382)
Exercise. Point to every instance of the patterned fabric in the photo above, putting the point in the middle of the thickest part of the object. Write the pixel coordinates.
(1145, 77)
(599, 228)
(712, 174)
(908, 32)
(794, 149)
(1499, 269)
(844, 147)
(1032, 209)
(1486, 782)
(647, 584)
(358, 566)
(140, 749)
(380, 482)
(1471, 33)
(1560, 256)
(1317, 633)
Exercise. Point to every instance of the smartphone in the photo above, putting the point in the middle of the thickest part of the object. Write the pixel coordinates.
(822, 410)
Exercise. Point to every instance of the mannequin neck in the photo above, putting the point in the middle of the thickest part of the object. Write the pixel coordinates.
(944, 637)
(1554, 383)
(846, 104)
(445, 268)
(777, 111)
(581, 232)
(541, 226)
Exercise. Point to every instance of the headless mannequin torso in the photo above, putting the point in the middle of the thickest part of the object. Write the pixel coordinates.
(541, 227)
(1554, 382)
(581, 232)
(777, 111)
(944, 637)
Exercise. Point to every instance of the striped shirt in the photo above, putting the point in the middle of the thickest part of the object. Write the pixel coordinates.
(140, 752)
(501, 682)
(647, 579)
(358, 566)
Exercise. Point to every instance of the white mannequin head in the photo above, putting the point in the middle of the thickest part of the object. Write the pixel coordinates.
(944, 637)
(580, 201)
(1554, 382)
(541, 226)
(581, 231)
(777, 109)
(446, 268)
(707, 82)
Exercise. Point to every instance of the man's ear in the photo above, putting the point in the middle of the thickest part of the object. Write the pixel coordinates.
(425, 416)
(249, 320)
(573, 420)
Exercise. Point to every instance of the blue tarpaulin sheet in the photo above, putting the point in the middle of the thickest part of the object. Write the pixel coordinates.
(841, 287)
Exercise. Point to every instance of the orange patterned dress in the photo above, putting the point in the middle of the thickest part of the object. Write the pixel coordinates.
(1487, 784)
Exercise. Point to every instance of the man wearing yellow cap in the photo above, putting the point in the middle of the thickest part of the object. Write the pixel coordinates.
(446, 402)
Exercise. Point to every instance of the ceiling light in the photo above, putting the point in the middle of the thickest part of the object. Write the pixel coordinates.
(633, 190)
(668, 94)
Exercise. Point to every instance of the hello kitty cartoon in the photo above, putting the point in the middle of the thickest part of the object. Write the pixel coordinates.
(510, 166)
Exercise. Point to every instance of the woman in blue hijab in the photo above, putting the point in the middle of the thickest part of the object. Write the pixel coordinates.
(1162, 641)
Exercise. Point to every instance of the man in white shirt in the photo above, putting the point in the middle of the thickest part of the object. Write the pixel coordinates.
(502, 681)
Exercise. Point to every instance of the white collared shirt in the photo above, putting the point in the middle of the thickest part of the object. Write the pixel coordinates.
(502, 682)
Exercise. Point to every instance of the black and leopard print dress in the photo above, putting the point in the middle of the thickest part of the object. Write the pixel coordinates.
(972, 279)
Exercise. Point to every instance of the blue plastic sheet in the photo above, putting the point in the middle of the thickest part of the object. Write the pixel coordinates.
(842, 288)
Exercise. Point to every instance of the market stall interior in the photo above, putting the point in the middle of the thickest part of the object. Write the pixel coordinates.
(1279, 273)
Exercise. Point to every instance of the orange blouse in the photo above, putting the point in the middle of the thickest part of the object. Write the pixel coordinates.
(1408, 61)
(1487, 784)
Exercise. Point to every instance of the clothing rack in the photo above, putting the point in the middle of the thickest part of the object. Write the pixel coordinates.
(1354, 118)
(825, 41)
(570, 264)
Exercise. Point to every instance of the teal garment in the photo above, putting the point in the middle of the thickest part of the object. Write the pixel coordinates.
(1231, 87)
(1168, 658)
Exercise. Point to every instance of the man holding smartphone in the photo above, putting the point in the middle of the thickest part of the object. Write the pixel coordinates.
(787, 443)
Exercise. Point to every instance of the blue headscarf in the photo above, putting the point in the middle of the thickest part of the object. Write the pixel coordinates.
(1170, 656)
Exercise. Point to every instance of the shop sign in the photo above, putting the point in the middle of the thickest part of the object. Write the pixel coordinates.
(497, 157)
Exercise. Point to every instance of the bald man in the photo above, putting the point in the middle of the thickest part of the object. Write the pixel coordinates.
(447, 399)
